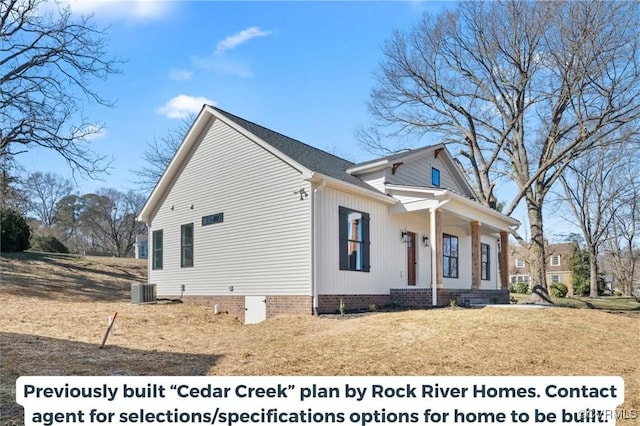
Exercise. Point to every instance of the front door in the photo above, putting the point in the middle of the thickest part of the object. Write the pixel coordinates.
(411, 258)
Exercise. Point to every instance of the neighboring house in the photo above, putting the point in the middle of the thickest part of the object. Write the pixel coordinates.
(141, 247)
(558, 269)
(258, 224)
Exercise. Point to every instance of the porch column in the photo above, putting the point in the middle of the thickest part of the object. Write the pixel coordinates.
(438, 246)
(504, 260)
(475, 255)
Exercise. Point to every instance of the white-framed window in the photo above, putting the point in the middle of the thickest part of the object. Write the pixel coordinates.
(519, 279)
(519, 263)
(186, 245)
(156, 260)
(354, 240)
(485, 261)
(555, 279)
(449, 256)
(435, 177)
(555, 260)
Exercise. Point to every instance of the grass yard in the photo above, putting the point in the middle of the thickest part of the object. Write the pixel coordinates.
(55, 308)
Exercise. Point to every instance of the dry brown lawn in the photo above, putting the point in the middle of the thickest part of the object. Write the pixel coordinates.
(55, 308)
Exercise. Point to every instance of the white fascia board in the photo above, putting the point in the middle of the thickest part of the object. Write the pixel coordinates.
(369, 167)
(435, 192)
(319, 178)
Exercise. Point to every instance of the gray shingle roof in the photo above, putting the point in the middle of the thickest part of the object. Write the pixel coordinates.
(312, 158)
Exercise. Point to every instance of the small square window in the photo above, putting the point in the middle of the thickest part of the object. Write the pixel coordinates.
(435, 177)
(519, 263)
(555, 260)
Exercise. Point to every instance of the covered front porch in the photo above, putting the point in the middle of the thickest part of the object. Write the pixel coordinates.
(467, 249)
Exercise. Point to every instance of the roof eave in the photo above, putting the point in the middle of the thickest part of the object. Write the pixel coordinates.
(319, 178)
(511, 222)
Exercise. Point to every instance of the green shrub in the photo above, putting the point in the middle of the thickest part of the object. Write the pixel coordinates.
(558, 290)
(581, 287)
(15, 231)
(49, 244)
(520, 288)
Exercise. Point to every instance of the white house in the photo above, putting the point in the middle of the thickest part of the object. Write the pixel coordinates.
(260, 224)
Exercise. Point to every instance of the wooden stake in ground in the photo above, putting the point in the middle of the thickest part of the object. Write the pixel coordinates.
(106, 334)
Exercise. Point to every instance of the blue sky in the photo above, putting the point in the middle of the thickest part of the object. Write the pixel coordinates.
(302, 68)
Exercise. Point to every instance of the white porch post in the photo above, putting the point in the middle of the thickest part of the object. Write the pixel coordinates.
(434, 257)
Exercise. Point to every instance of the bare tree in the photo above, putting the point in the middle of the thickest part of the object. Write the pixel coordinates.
(158, 154)
(68, 222)
(622, 246)
(44, 191)
(595, 188)
(48, 59)
(519, 88)
(110, 216)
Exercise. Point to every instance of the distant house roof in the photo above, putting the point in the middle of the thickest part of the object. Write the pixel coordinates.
(312, 158)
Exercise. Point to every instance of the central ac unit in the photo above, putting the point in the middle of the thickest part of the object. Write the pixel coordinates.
(143, 293)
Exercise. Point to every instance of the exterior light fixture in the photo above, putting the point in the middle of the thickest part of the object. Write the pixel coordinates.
(425, 241)
(404, 235)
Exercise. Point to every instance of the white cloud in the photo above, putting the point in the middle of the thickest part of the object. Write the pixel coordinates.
(132, 10)
(222, 66)
(183, 105)
(180, 75)
(233, 41)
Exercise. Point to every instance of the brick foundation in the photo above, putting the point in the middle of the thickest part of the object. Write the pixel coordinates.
(276, 305)
(330, 303)
(232, 305)
(421, 297)
(289, 305)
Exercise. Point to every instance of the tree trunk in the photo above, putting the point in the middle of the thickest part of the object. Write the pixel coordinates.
(537, 254)
(593, 272)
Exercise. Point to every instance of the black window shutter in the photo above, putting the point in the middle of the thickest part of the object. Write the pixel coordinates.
(366, 263)
(343, 226)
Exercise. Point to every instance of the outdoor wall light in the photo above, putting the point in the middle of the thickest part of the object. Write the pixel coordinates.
(404, 235)
(425, 241)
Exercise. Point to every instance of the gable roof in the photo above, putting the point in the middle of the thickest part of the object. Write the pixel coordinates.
(303, 157)
(311, 158)
(308, 160)
(408, 155)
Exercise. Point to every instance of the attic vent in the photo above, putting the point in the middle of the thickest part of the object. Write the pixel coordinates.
(143, 293)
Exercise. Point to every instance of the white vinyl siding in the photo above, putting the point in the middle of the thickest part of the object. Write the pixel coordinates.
(262, 247)
(418, 173)
(388, 254)
(376, 179)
